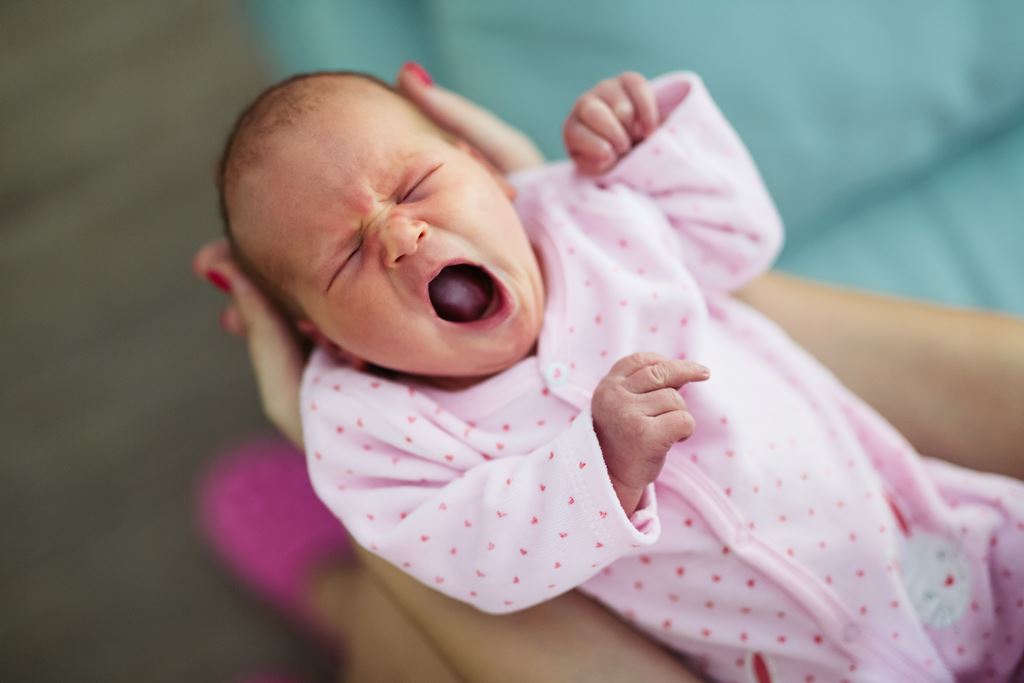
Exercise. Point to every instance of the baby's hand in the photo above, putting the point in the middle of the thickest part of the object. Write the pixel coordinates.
(608, 120)
(638, 415)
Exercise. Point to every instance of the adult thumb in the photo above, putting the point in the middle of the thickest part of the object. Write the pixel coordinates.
(506, 147)
(277, 358)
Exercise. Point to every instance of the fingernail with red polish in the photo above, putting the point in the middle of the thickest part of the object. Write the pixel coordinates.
(420, 72)
(219, 281)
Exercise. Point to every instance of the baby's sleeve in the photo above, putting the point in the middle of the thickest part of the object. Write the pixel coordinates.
(700, 175)
(501, 533)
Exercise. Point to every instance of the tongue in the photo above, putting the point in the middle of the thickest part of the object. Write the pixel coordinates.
(461, 293)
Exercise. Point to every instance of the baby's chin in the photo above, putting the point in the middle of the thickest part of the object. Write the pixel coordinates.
(466, 370)
(454, 381)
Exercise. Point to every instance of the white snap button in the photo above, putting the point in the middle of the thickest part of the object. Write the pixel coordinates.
(937, 575)
(851, 633)
(556, 374)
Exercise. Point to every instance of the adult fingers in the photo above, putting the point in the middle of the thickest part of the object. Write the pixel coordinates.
(232, 322)
(506, 147)
(276, 356)
(214, 262)
(210, 259)
(274, 350)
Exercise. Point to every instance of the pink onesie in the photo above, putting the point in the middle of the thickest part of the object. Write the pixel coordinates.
(796, 536)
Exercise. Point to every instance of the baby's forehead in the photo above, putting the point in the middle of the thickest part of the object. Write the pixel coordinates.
(363, 126)
(321, 105)
(351, 100)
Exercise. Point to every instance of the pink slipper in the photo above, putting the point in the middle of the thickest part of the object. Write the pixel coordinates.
(260, 514)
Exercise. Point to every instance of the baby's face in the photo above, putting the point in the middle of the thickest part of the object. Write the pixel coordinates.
(359, 206)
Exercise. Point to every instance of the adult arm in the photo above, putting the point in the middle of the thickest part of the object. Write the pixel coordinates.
(951, 380)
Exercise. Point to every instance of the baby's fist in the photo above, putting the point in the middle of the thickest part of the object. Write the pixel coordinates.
(608, 120)
(638, 414)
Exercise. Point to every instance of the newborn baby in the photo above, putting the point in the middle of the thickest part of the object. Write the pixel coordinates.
(504, 403)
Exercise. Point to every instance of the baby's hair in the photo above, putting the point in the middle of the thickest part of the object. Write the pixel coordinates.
(278, 107)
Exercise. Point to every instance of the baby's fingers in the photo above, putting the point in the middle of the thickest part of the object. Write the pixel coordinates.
(614, 93)
(641, 94)
(655, 403)
(591, 153)
(673, 426)
(597, 114)
(665, 373)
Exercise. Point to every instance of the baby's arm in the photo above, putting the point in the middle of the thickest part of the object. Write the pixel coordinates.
(501, 534)
(691, 165)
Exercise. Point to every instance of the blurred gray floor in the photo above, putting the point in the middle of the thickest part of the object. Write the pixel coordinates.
(115, 382)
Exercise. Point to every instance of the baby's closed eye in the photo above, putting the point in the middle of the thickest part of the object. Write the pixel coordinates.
(417, 191)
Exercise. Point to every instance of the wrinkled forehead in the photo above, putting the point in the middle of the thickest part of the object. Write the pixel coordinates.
(357, 128)
(340, 154)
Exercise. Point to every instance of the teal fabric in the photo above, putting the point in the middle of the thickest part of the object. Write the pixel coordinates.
(890, 134)
(955, 235)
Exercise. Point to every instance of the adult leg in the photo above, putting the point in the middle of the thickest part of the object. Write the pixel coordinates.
(378, 641)
(569, 638)
(395, 629)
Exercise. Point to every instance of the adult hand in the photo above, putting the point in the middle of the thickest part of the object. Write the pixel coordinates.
(275, 349)
(504, 146)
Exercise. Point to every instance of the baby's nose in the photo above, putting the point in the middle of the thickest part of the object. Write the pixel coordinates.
(401, 237)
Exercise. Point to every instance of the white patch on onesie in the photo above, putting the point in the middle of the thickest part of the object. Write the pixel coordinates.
(937, 576)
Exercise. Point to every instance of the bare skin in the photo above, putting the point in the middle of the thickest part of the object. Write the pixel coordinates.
(638, 415)
(394, 629)
(367, 623)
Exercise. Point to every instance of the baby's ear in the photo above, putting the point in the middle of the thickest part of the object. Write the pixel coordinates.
(472, 151)
(309, 329)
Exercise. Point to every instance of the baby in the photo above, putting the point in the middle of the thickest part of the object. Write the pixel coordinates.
(503, 402)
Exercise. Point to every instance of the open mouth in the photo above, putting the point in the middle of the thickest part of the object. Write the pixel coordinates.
(464, 293)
